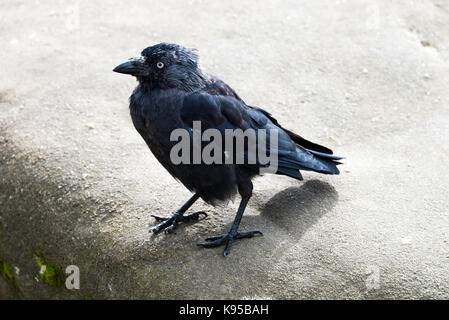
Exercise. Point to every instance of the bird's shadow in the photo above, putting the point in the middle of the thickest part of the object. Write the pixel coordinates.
(298, 208)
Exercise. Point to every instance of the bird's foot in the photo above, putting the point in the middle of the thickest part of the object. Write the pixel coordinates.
(227, 239)
(169, 224)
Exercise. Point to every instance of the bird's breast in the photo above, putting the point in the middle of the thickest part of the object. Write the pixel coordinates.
(156, 114)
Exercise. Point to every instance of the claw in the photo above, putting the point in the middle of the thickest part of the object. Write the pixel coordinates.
(203, 213)
(159, 227)
(228, 247)
(171, 228)
(219, 240)
(215, 237)
(159, 218)
(216, 241)
(194, 216)
(169, 224)
(249, 234)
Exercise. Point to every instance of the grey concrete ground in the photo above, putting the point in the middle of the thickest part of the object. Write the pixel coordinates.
(77, 186)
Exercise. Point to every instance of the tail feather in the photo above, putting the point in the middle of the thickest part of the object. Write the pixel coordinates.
(291, 163)
(325, 155)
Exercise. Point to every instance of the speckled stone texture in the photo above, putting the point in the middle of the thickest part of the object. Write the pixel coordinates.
(77, 183)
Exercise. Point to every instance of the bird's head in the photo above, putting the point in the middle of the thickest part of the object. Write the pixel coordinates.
(164, 66)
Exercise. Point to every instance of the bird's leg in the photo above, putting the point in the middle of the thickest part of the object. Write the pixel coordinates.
(169, 224)
(227, 239)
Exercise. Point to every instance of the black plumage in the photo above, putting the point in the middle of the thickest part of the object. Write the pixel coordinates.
(172, 93)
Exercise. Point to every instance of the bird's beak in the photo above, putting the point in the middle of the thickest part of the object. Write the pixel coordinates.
(134, 66)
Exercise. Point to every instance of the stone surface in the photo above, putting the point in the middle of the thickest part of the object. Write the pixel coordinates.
(78, 185)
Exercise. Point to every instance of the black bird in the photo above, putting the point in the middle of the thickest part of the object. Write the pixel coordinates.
(173, 92)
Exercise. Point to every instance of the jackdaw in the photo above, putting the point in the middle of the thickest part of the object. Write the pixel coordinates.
(173, 92)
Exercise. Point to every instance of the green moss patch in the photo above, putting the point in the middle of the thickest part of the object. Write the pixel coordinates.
(6, 271)
(7, 274)
(48, 273)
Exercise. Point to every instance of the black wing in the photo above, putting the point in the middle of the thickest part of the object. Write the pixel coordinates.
(219, 87)
(228, 112)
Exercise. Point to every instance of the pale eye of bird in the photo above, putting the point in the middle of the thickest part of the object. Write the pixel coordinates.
(160, 65)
